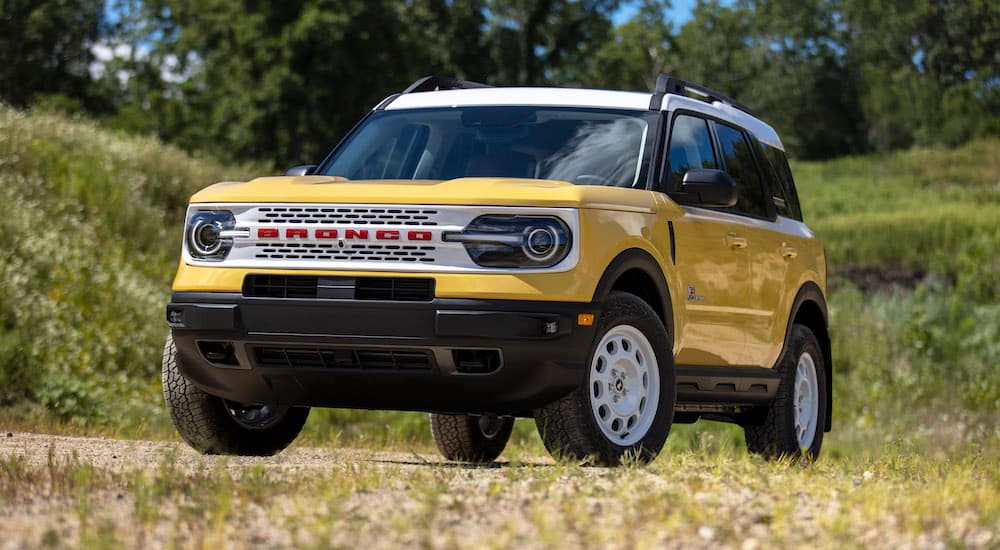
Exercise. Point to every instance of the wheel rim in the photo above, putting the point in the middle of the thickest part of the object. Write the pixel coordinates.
(806, 401)
(255, 417)
(490, 426)
(624, 385)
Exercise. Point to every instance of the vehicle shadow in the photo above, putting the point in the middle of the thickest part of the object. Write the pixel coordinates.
(460, 465)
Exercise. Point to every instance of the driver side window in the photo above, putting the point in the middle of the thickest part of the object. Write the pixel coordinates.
(690, 147)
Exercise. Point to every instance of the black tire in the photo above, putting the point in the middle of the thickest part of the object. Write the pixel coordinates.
(469, 438)
(204, 421)
(774, 435)
(569, 426)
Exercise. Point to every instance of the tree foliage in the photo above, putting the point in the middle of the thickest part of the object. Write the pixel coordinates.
(45, 48)
(281, 82)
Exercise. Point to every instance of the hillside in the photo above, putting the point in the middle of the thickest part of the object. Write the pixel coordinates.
(90, 237)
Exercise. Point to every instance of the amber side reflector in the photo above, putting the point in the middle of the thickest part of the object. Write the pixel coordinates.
(585, 319)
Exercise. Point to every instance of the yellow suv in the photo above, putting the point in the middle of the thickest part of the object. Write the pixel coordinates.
(607, 263)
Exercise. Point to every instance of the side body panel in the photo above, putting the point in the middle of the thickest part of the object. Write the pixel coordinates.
(784, 255)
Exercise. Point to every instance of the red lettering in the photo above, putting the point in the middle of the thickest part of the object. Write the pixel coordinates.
(387, 235)
(292, 233)
(326, 233)
(267, 233)
(356, 234)
(419, 235)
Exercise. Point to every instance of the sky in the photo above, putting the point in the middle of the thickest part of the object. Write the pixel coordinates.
(679, 12)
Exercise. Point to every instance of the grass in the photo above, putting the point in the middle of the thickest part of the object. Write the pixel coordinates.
(887, 496)
(914, 208)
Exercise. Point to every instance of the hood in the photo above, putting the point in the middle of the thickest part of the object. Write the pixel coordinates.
(461, 191)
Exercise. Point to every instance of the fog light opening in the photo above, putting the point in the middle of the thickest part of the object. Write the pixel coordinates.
(476, 361)
(221, 354)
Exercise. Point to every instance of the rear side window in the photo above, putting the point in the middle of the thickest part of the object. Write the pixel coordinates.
(776, 158)
(690, 147)
(735, 152)
(773, 187)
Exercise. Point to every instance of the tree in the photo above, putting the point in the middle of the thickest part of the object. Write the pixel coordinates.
(640, 49)
(45, 48)
(545, 41)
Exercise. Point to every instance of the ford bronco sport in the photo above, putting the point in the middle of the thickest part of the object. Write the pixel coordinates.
(607, 263)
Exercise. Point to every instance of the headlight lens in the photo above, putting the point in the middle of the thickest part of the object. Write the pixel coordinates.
(207, 237)
(515, 241)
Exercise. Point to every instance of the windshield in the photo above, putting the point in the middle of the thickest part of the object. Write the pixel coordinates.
(582, 146)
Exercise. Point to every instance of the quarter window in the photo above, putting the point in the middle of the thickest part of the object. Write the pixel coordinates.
(735, 152)
(780, 163)
(690, 147)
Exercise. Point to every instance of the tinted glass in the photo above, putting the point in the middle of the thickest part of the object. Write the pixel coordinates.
(582, 146)
(735, 152)
(780, 162)
(690, 147)
(773, 186)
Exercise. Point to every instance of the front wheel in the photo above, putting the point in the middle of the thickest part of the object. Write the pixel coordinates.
(626, 404)
(213, 425)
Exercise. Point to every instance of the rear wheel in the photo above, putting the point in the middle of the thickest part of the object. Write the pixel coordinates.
(213, 425)
(626, 404)
(471, 438)
(793, 425)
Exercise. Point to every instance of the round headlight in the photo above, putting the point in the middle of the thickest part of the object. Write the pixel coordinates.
(205, 238)
(515, 241)
(540, 243)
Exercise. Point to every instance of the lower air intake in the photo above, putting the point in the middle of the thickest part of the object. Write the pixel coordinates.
(342, 358)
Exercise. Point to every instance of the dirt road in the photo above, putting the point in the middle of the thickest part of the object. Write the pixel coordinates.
(74, 491)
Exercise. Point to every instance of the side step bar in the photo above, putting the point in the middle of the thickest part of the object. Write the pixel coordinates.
(726, 385)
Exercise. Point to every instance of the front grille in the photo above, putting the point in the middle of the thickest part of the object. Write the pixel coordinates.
(399, 289)
(335, 251)
(343, 358)
(354, 215)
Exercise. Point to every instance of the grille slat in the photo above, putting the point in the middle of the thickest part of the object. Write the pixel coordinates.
(331, 251)
(398, 289)
(343, 358)
(355, 215)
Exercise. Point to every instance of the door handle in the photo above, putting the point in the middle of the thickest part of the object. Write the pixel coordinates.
(735, 241)
(788, 251)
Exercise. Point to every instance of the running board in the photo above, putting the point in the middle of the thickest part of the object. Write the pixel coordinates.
(728, 385)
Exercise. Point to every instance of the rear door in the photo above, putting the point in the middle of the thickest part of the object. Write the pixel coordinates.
(712, 258)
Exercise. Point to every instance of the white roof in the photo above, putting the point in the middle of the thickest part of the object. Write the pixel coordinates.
(547, 97)
(574, 97)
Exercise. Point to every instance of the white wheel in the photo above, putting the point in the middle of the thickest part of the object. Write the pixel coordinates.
(624, 385)
(806, 401)
(793, 424)
(624, 406)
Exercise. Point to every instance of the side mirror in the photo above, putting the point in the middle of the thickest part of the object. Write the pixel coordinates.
(301, 170)
(704, 187)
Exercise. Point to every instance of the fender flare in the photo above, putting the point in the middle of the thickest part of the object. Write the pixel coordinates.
(636, 258)
(810, 292)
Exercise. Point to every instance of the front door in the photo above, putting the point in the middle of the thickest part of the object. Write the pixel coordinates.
(712, 259)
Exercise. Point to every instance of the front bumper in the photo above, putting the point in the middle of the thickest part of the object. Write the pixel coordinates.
(445, 355)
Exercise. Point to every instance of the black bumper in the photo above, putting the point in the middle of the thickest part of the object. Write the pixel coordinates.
(445, 355)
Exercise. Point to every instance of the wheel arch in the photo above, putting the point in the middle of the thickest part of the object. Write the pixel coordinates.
(809, 309)
(637, 272)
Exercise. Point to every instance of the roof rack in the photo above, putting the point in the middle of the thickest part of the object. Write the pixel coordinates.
(666, 84)
(434, 83)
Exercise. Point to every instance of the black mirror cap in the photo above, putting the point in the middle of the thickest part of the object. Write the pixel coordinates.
(706, 187)
(301, 170)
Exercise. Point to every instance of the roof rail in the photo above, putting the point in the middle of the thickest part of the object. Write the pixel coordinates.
(666, 84)
(434, 83)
